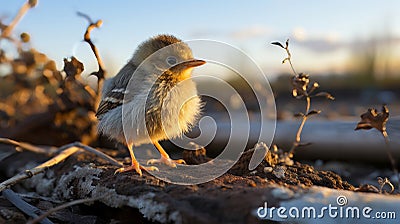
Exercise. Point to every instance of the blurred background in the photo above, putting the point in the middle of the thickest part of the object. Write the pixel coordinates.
(352, 48)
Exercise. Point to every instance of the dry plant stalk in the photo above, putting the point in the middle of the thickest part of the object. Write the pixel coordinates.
(301, 89)
(27, 146)
(60, 207)
(7, 29)
(22, 205)
(385, 181)
(65, 152)
(39, 169)
(100, 74)
(373, 119)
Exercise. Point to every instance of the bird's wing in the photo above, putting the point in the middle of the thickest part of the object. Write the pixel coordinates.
(114, 90)
(112, 99)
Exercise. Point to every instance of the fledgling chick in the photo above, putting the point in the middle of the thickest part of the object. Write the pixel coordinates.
(152, 98)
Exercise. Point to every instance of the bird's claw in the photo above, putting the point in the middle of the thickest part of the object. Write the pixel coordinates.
(166, 161)
(137, 168)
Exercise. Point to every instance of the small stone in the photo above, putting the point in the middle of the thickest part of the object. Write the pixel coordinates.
(268, 169)
(254, 172)
(279, 172)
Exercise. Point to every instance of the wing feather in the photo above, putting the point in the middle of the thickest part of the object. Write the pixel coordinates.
(111, 100)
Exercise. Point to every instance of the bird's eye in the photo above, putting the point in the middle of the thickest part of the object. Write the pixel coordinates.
(171, 60)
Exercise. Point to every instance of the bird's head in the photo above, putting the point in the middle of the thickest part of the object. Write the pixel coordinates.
(166, 53)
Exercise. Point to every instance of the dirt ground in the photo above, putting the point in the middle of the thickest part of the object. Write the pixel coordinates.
(130, 198)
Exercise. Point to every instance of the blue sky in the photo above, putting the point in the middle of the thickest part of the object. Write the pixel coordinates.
(321, 31)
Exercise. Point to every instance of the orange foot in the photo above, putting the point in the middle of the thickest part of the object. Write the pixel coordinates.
(138, 168)
(166, 161)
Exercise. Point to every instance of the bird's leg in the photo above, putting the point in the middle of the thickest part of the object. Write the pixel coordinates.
(135, 164)
(164, 157)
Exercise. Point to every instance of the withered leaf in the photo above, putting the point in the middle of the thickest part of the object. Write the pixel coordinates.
(313, 112)
(326, 95)
(284, 60)
(278, 44)
(299, 115)
(73, 67)
(373, 119)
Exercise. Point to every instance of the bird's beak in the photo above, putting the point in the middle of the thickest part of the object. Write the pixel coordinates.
(188, 64)
(184, 69)
(192, 63)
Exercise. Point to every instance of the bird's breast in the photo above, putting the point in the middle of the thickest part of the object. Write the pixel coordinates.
(176, 112)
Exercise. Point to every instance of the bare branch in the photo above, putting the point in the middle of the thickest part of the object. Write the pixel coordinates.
(27, 146)
(39, 169)
(64, 152)
(97, 153)
(25, 207)
(6, 33)
(66, 205)
(101, 72)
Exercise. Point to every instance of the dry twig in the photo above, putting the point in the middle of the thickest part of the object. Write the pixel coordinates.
(101, 72)
(28, 146)
(25, 207)
(385, 181)
(66, 205)
(7, 30)
(39, 169)
(94, 151)
(65, 152)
